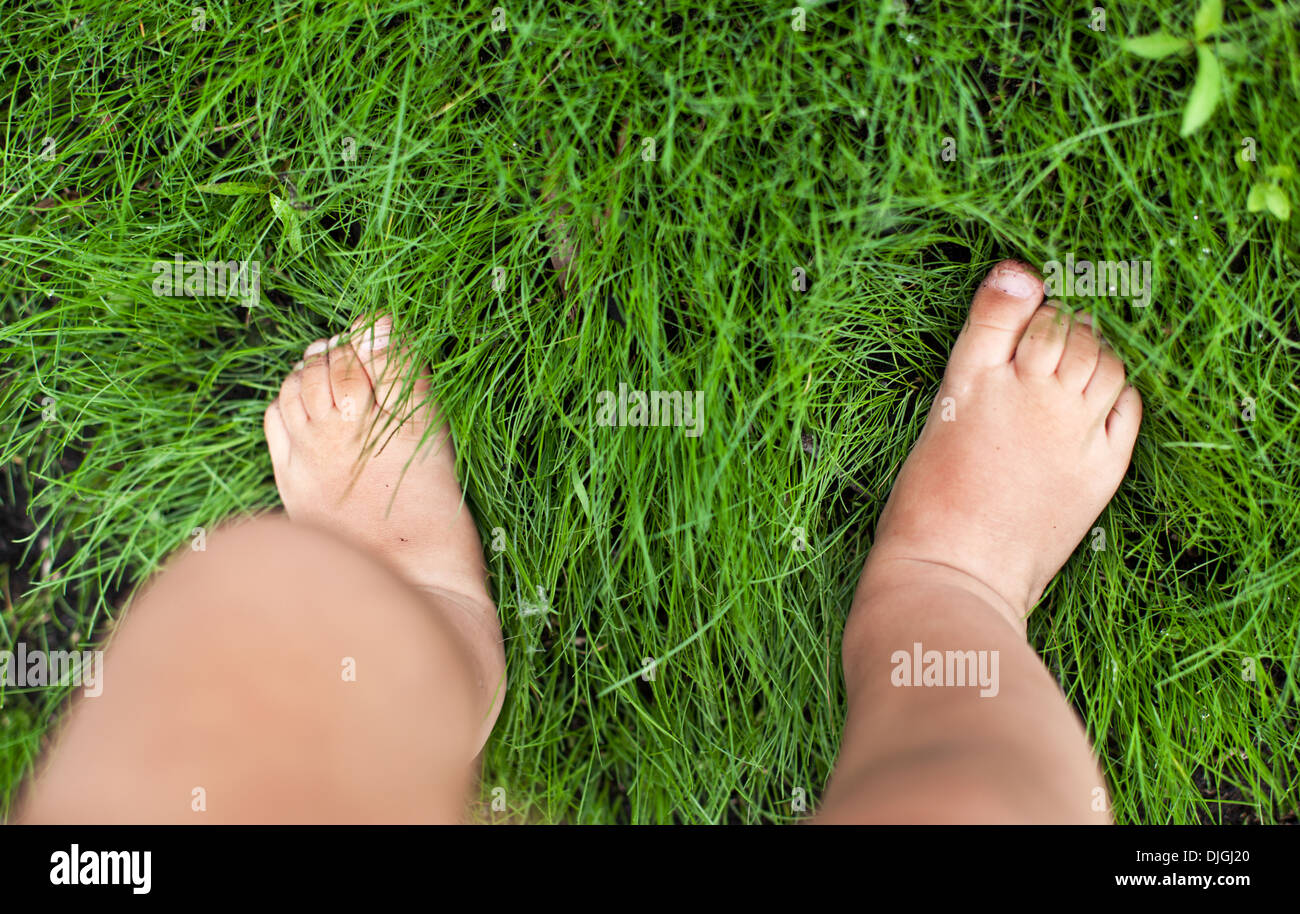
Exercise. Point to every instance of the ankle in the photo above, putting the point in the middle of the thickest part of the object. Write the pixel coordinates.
(884, 574)
(899, 602)
(472, 619)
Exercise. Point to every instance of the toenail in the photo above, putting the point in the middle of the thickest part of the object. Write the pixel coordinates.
(1013, 282)
(374, 336)
(316, 348)
(298, 366)
(334, 341)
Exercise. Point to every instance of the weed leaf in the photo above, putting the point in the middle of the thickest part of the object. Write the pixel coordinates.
(1255, 200)
(1205, 93)
(1276, 200)
(581, 491)
(1155, 46)
(1208, 18)
(292, 222)
(232, 188)
(1230, 50)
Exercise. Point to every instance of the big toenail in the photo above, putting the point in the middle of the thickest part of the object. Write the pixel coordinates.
(316, 348)
(1015, 283)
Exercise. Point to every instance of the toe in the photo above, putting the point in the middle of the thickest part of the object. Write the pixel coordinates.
(1082, 349)
(1107, 381)
(1003, 305)
(277, 434)
(1124, 418)
(1040, 349)
(290, 404)
(349, 384)
(390, 369)
(316, 395)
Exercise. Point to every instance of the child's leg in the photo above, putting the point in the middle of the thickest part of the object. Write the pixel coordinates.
(346, 667)
(1027, 440)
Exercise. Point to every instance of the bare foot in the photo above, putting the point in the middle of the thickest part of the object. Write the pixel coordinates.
(343, 462)
(1026, 442)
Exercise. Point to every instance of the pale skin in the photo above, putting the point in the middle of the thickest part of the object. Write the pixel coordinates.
(227, 686)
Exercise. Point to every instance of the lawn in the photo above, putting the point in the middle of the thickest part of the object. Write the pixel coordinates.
(785, 211)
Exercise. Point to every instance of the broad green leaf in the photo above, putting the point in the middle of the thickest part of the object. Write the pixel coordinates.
(1205, 92)
(292, 227)
(1279, 172)
(1276, 200)
(1255, 201)
(232, 188)
(1208, 18)
(1155, 46)
(1230, 50)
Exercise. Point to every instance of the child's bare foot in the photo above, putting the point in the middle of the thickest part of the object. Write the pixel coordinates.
(341, 464)
(1026, 442)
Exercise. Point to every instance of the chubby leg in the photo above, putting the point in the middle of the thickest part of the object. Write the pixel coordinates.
(1026, 442)
(341, 665)
(280, 676)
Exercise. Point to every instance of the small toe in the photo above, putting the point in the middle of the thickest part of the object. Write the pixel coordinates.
(1107, 381)
(349, 384)
(316, 396)
(277, 433)
(999, 313)
(1082, 349)
(292, 410)
(1043, 343)
(1124, 419)
(389, 367)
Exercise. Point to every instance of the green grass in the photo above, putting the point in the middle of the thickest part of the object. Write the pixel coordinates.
(135, 419)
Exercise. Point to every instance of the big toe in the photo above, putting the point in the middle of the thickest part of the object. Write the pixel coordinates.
(999, 314)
